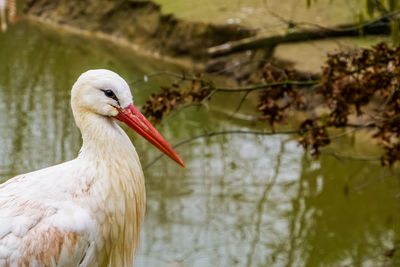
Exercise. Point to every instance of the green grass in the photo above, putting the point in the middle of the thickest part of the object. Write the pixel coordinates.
(264, 14)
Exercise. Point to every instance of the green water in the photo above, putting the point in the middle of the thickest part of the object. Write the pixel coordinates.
(243, 200)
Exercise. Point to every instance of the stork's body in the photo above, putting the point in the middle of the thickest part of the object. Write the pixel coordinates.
(85, 212)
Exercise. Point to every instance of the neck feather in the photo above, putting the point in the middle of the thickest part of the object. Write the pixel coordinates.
(119, 175)
(101, 135)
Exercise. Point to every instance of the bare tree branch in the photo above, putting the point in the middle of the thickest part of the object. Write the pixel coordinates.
(376, 26)
(185, 77)
(267, 85)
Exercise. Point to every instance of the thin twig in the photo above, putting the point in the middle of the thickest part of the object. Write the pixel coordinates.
(267, 85)
(185, 77)
(240, 105)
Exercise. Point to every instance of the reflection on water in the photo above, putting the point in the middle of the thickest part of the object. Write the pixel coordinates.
(8, 13)
(242, 201)
(262, 202)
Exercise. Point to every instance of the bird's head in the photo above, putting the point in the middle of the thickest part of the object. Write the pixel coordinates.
(105, 93)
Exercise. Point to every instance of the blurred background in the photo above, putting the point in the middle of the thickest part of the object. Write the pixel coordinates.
(250, 195)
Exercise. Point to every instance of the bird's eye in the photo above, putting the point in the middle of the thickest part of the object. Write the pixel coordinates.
(109, 93)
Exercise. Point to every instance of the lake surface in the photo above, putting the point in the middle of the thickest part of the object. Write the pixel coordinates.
(243, 200)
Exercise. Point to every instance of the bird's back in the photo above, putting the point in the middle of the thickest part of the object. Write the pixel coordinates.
(43, 224)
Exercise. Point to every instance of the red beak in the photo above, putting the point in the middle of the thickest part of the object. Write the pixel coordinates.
(134, 119)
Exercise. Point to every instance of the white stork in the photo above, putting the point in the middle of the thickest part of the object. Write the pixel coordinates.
(87, 211)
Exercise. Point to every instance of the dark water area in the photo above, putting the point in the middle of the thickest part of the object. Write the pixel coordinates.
(243, 200)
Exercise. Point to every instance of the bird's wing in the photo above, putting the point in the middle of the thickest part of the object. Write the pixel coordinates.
(43, 232)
